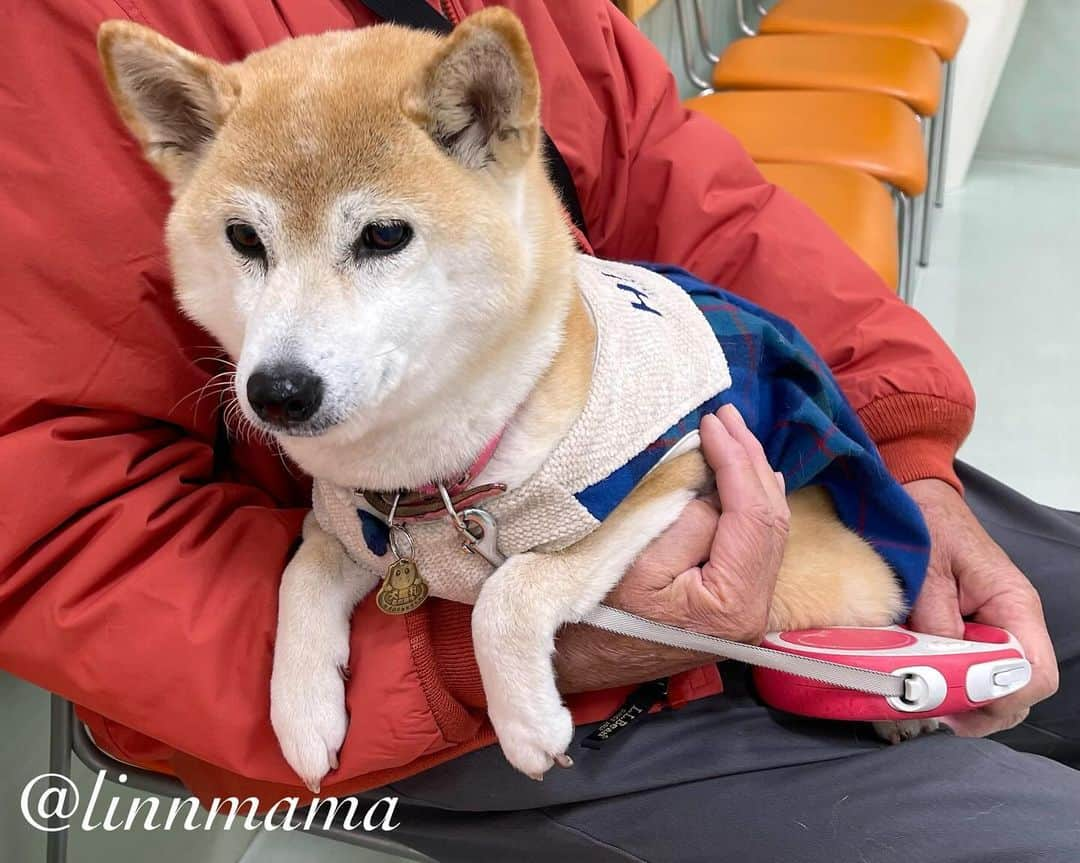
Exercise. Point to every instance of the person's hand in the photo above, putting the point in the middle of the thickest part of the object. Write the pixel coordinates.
(742, 545)
(970, 576)
(727, 596)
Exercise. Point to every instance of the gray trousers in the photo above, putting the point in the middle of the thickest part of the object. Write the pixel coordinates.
(725, 778)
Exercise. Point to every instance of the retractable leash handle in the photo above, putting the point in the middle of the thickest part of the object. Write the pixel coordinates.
(858, 673)
(821, 670)
(851, 673)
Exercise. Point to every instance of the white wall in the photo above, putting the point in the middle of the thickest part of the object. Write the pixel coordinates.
(1036, 114)
(992, 27)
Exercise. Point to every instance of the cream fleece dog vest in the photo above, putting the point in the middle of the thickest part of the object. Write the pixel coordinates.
(657, 359)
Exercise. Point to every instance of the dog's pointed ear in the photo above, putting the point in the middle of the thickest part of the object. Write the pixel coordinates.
(479, 98)
(171, 99)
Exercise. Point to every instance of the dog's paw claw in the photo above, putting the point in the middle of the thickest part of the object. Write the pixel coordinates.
(897, 731)
(309, 719)
(535, 741)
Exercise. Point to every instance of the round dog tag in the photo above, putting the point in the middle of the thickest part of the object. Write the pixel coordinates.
(403, 590)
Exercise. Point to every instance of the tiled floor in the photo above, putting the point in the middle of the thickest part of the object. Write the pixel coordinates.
(1003, 292)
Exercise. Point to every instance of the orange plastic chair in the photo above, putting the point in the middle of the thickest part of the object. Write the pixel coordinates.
(855, 205)
(938, 24)
(908, 71)
(935, 23)
(893, 67)
(875, 134)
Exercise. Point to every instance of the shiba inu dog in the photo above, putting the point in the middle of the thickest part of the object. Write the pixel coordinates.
(363, 220)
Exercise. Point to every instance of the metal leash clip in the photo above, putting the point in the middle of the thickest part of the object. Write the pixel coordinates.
(478, 530)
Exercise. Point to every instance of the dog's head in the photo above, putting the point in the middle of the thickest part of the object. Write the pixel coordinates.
(357, 215)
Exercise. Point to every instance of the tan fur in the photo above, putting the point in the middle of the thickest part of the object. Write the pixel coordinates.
(143, 67)
(830, 576)
(512, 102)
(377, 112)
(310, 124)
(687, 471)
(560, 395)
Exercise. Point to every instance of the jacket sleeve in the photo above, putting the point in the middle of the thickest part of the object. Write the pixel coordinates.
(135, 563)
(659, 183)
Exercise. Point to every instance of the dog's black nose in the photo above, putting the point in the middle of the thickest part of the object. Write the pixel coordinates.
(284, 394)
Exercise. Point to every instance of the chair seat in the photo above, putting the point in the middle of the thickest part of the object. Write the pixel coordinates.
(874, 64)
(935, 23)
(872, 133)
(855, 205)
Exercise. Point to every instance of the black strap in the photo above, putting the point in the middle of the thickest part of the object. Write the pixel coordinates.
(420, 16)
(410, 13)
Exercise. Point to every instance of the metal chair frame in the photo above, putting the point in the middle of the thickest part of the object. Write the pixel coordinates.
(68, 735)
(915, 217)
(704, 87)
(945, 113)
(905, 226)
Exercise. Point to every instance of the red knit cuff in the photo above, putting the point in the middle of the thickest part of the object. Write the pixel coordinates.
(451, 640)
(918, 435)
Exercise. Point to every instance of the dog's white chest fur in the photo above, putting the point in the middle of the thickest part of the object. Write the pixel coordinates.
(656, 360)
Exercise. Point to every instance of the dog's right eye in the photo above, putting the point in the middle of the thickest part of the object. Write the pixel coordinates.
(382, 238)
(245, 239)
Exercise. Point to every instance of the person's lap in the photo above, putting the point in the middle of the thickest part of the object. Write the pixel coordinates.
(1045, 544)
(728, 777)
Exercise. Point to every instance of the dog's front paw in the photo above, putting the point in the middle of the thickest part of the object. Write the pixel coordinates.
(307, 711)
(905, 729)
(534, 740)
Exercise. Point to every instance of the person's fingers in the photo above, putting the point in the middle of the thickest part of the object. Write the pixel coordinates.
(683, 545)
(937, 608)
(1018, 610)
(737, 482)
(736, 426)
(741, 546)
(752, 529)
(980, 723)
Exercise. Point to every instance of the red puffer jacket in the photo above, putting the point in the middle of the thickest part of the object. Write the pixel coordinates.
(140, 549)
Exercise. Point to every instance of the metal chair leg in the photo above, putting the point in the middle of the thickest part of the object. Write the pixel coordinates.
(905, 214)
(934, 126)
(61, 723)
(744, 18)
(688, 52)
(943, 141)
(703, 33)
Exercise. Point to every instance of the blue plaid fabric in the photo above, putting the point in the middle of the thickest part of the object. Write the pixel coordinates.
(793, 405)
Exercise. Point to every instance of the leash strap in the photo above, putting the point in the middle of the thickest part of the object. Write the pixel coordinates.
(845, 676)
(620, 622)
(418, 15)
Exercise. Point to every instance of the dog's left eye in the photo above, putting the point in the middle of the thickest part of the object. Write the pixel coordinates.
(382, 238)
(245, 239)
